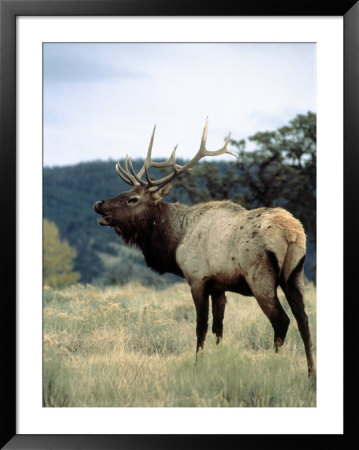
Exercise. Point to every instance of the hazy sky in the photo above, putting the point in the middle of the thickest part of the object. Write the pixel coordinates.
(101, 101)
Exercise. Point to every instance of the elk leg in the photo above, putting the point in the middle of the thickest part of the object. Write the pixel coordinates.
(293, 290)
(264, 288)
(263, 282)
(272, 308)
(200, 298)
(218, 305)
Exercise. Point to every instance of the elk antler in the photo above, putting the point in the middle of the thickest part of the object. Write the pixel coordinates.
(129, 175)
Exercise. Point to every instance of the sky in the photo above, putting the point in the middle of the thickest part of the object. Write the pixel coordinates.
(102, 100)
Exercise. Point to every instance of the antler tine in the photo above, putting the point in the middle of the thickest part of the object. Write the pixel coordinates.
(149, 181)
(131, 177)
(176, 167)
(170, 161)
(149, 152)
(122, 173)
(204, 152)
(204, 136)
(134, 173)
(125, 173)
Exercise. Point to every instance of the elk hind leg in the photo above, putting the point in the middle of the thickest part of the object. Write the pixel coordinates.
(272, 308)
(263, 284)
(218, 305)
(294, 292)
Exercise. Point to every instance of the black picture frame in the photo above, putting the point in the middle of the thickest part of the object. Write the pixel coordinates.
(9, 10)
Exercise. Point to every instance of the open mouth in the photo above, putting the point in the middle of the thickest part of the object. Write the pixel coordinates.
(104, 220)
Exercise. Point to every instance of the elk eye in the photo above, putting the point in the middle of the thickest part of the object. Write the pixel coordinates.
(133, 200)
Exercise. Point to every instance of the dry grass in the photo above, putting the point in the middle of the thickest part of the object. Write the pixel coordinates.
(135, 346)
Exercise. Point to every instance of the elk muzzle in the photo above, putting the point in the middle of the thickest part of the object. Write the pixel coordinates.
(105, 220)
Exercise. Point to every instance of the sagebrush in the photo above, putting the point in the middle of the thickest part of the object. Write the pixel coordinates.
(135, 346)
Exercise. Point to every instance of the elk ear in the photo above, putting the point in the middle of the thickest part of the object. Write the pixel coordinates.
(161, 193)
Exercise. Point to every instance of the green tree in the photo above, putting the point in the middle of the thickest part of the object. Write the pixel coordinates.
(58, 258)
(205, 182)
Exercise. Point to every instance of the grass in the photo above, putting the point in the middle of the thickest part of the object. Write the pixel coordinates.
(135, 346)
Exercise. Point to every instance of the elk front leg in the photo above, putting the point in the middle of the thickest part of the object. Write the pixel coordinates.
(218, 305)
(200, 298)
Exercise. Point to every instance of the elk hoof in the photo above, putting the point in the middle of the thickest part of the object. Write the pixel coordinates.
(199, 355)
(312, 381)
(278, 343)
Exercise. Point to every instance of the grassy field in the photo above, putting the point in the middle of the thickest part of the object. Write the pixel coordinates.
(135, 346)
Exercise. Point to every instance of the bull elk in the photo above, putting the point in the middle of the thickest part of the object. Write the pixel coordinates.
(216, 246)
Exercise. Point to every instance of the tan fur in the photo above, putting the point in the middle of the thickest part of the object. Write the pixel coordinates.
(225, 241)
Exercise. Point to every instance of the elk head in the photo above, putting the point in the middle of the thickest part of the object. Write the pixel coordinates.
(125, 211)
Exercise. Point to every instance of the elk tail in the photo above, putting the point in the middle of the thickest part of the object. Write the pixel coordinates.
(294, 258)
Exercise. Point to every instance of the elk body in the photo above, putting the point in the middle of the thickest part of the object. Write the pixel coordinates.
(216, 246)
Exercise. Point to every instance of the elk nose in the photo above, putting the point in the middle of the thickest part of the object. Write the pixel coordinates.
(98, 204)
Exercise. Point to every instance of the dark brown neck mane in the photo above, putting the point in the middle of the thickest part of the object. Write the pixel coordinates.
(158, 232)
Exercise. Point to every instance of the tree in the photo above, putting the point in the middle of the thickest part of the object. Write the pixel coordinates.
(206, 182)
(58, 258)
